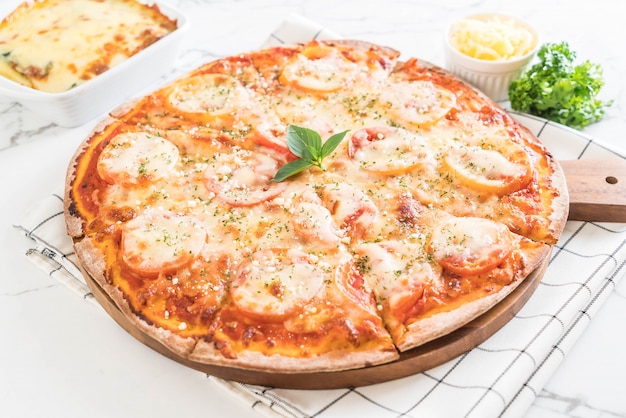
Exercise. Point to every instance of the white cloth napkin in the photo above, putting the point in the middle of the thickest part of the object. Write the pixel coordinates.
(500, 377)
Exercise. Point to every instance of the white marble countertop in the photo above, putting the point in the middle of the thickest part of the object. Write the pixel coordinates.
(64, 371)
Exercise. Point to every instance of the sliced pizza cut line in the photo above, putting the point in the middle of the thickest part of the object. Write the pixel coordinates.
(398, 275)
(352, 210)
(335, 327)
(461, 299)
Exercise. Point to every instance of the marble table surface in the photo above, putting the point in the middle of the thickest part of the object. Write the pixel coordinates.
(52, 371)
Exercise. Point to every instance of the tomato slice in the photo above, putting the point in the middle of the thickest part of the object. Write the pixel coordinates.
(397, 274)
(208, 95)
(275, 283)
(132, 156)
(387, 150)
(161, 241)
(319, 69)
(270, 135)
(488, 170)
(243, 178)
(350, 207)
(417, 103)
(470, 246)
(314, 222)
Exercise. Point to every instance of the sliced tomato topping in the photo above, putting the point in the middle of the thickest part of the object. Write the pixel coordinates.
(244, 178)
(208, 95)
(489, 170)
(350, 207)
(133, 156)
(387, 150)
(418, 103)
(319, 69)
(470, 246)
(314, 222)
(161, 241)
(274, 283)
(272, 136)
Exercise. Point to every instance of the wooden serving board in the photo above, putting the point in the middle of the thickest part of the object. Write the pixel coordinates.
(411, 362)
(597, 189)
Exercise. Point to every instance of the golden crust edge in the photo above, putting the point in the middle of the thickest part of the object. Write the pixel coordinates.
(203, 352)
(559, 204)
(439, 325)
(75, 224)
(206, 353)
(94, 265)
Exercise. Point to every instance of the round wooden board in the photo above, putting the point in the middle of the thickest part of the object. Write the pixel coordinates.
(411, 362)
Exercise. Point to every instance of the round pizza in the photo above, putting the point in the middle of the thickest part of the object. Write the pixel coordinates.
(311, 207)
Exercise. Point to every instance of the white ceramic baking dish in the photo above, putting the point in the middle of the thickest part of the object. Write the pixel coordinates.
(101, 94)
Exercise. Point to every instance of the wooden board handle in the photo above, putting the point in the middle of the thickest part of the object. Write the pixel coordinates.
(597, 189)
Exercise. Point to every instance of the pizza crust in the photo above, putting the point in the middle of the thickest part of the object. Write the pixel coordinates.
(94, 267)
(559, 203)
(74, 220)
(438, 325)
(206, 353)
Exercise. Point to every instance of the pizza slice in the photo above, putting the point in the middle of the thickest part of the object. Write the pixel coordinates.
(443, 272)
(292, 311)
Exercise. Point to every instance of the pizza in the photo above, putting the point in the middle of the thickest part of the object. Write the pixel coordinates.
(433, 205)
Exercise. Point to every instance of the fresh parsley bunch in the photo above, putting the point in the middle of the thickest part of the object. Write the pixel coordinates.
(306, 144)
(557, 89)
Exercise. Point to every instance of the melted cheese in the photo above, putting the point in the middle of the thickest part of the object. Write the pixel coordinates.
(327, 73)
(273, 285)
(470, 246)
(161, 241)
(213, 94)
(55, 45)
(133, 156)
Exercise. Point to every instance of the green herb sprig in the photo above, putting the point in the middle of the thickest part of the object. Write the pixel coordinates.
(558, 89)
(307, 145)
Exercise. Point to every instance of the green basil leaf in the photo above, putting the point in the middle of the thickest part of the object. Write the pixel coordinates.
(292, 168)
(294, 141)
(306, 141)
(306, 144)
(331, 143)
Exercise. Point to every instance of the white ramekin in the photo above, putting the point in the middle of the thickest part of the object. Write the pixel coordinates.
(491, 77)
